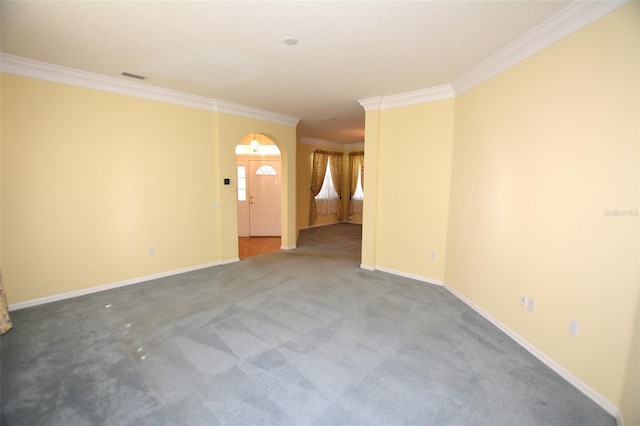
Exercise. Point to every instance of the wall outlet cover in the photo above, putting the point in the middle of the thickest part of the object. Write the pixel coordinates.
(531, 304)
(573, 327)
(523, 300)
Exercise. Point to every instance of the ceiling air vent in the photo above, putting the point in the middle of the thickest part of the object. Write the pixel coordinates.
(128, 74)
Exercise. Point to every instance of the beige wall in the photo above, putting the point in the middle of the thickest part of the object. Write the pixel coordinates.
(535, 156)
(413, 155)
(92, 180)
(232, 129)
(542, 152)
(630, 402)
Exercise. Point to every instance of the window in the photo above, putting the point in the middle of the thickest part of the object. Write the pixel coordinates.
(266, 170)
(358, 197)
(327, 198)
(242, 183)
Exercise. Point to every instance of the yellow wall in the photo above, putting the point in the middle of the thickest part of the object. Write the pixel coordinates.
(542, 152)
(536, 156)
(92, 180)
(630, 403)
(232, 129)
(412, 188)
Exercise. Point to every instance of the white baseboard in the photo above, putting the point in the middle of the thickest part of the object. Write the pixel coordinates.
(78, 293)
(402, 274)
(565, 374)
(287, 247)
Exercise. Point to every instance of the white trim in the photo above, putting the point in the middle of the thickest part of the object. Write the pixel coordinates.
(564, 373)
(570, 19)
(367, 267)
(406, 275)
(415, 97)
(83, 292)
(423, 96)
(287, 247)
(370, 104)
(35, 69)
(321, 142)
(334, 145)
(258, 114)
(354, 146)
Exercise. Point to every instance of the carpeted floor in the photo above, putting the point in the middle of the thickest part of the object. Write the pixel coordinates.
(288, 338)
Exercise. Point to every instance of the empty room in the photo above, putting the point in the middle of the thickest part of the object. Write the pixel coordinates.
(448, 191)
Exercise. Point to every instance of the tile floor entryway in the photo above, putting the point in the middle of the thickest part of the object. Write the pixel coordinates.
(253, 246)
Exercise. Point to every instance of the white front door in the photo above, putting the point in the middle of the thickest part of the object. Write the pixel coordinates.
(264, 197)
(258, 197)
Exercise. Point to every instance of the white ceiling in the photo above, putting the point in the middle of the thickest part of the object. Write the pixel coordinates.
(234, 51)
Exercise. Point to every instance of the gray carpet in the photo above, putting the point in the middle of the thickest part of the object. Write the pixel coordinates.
(287, 338)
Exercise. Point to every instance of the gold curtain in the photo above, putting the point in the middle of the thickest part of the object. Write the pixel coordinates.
(336, 174)
(5, 321)
(356, 159)
(318, 171)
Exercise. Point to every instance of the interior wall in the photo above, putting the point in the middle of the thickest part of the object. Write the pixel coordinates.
(414, 169)
(231, 130)
(101, 188)
(630, 407)
(544, 199)
(91, 181)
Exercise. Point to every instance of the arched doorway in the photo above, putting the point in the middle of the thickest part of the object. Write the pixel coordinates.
(259, 177)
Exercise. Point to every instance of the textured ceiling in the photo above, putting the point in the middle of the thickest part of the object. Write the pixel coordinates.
(234, 51)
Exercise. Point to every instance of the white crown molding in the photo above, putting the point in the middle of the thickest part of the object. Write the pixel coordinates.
(370, 104)
(322, 143)
(35, 69)
(421, 278)
(415, 97)
(354, 146)
(568, 20)
(258, 114)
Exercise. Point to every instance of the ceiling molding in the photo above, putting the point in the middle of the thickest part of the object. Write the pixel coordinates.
(415, 97)
(35, 69)
(371, 103)
(258, 114)
(570, 19)
(354, 146)
(333, 145)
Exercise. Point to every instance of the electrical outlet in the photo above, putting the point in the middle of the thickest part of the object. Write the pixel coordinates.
(152, 251)
(573, 327)
(432, 255)
(531, 304)
(523, 300)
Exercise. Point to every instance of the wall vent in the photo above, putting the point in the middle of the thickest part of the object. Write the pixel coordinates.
(128, 74)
